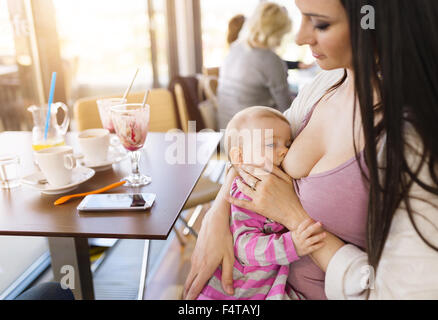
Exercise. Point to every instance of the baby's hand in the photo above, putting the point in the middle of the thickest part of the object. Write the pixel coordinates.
(308, 237)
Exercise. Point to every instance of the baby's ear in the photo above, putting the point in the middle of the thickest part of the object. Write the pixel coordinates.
(235, 155)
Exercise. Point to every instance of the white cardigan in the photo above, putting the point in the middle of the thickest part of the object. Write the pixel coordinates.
(408, 268)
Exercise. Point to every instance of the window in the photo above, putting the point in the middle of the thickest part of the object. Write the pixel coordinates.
(159, 25)
(7, 47)
(12, 99)
(289, 49)
(103, 42)
(215, 16)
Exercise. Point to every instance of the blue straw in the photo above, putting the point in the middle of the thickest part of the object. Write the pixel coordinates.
(52, 92)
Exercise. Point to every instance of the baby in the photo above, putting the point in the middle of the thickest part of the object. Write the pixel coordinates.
(263, 248)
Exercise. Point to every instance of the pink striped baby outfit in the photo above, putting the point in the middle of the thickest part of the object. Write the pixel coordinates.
(264, 250)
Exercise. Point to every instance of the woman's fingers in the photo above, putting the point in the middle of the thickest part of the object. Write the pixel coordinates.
(198, 284)
(277, 171)
(262, 172)
(227, 274)
(281, 174)
(249, 179)
(245, 204)
(246, 190)
(189, 281)
(195, 288)
(196, 280)
(256, 172)
(270, 168)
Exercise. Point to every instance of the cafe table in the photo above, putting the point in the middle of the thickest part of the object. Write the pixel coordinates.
(174, 161)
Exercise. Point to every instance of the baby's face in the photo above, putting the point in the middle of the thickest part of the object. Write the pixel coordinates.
(270, 141)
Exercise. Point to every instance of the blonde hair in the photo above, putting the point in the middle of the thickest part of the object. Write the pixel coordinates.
(268, 25)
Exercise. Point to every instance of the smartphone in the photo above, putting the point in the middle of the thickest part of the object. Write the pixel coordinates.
(117, 202)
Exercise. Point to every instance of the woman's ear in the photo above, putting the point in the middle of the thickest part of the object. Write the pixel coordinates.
(236, 155)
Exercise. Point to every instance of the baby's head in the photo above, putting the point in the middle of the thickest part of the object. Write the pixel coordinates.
(257, 134)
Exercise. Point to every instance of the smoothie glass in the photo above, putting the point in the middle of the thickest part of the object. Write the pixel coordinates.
(104, 106)
(131, 123)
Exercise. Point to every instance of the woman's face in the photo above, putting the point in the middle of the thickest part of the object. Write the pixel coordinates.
(325, 28)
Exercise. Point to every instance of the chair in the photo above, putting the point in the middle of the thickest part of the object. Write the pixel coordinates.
(189, 94)
(209, 108)
(209, 88)
(86, 113)
(182, 107)
(208, 84)
(213, 74)
(186, 95)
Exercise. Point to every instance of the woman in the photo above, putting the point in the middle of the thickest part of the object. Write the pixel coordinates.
(235, 25)
(252, 73)
(384, 103)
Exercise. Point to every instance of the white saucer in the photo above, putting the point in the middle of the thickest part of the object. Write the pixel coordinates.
(79, 175)
(113, 157)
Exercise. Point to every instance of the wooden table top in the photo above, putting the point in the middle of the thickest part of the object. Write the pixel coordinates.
(27, 212)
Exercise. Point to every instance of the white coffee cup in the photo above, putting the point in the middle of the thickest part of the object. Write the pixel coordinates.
(94, 144)
(56, 164)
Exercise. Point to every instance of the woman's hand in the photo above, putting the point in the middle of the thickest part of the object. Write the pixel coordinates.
(273, 195)
(214, 246)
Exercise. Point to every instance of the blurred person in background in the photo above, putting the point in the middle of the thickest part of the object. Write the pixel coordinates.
(235, 26)
(252, 73)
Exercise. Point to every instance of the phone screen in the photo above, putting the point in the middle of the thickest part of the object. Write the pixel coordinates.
(106, 202)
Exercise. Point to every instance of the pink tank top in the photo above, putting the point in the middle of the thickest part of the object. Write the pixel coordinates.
(339, 199)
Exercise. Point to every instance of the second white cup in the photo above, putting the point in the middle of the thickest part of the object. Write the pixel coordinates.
(94, 144)
(56, 165)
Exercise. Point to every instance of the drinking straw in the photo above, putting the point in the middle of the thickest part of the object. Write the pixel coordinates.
(145, 98)
(52, 92)
(130, 86)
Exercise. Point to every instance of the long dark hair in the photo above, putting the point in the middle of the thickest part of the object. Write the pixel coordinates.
(397, 63)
